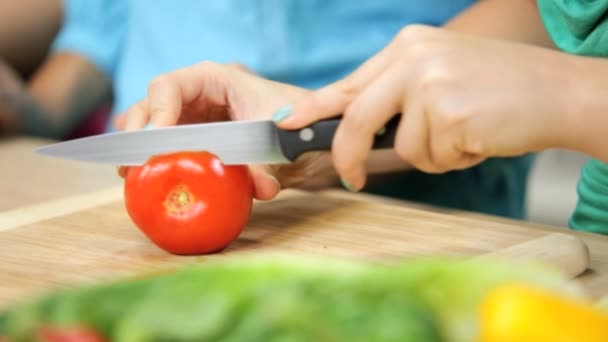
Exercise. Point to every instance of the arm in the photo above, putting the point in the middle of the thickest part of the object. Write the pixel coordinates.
(513, 20)
(77, 76)
(33, 21)
(585, 124)
(60, 94)
(65, 89)
(442, 59)
(586, 119)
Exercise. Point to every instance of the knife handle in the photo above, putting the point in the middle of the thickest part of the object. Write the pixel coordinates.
(319, 137)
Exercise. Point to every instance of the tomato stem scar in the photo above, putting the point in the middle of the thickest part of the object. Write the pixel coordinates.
(179, 200)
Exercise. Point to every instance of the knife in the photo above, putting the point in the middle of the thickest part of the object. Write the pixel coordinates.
(234, 142)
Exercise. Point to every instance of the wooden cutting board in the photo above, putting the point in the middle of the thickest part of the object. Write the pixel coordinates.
(90, 237)
(29, 178)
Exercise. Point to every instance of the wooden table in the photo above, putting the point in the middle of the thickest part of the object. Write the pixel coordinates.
(38, 206)
(28, 178)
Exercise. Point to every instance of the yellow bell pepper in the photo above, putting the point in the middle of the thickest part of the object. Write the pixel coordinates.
(517, 313)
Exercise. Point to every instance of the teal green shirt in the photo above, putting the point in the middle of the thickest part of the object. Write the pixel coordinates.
(580, 27)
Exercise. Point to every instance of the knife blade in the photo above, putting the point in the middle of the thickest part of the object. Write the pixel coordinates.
(234, 142)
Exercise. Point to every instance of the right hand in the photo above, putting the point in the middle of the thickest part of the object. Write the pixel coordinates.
(463, 99)
(209, 92)
(11, 88)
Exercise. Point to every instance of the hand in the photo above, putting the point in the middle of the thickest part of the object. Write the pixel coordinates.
(462, 98)
(11, 88)
(210, 92)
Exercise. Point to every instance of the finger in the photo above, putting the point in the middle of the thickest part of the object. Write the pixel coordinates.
(445, 154)
(412, 139)
(468, 160)
(266, 185)
(240, 67)
(169, 93)
(137, 117)
(164, 101)
(122, 171)
(333, 99)
(119, 121)
(366, 115)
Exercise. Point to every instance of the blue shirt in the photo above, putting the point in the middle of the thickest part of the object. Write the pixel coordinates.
(308, 43)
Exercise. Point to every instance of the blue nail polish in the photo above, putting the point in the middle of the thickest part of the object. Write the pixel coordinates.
(149, 125)
(281, 114)
(348, 185)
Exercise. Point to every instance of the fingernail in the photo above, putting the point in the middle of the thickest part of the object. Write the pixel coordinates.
(281, 114)
(149, 125)
(348, 185)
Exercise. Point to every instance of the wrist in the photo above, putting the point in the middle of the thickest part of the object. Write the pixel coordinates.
(584, 123)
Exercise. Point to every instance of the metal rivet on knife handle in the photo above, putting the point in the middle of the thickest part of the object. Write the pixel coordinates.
(319, 137)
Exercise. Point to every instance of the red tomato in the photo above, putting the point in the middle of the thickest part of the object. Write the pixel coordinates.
(54, 334)
(189, 202)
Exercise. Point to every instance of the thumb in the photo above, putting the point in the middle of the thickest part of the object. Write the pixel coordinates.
(266, 185)
(324, 103)
(333, 99)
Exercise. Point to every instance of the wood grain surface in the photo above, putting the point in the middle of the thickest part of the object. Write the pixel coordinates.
(28, 178)
(43, 247)
(595, 278)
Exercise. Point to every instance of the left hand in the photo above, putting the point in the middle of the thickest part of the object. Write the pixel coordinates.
(462, 98)
(209, 92)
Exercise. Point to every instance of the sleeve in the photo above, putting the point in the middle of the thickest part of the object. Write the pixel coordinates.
(94, 29)
(591, 213)
(580, 27)
(577, 26)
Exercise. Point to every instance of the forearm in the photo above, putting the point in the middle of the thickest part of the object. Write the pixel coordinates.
(61, 94)
(513, 20)
(28, 28)
(584, 124)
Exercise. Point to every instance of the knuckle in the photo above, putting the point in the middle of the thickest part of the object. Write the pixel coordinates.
(449, 119)
(159, 82)
(135, 110)
(349, 86)
(446, 113)
(472, 144)
(311, 107)
(415, 154)
(208, 68)
(413, 32)
(417, 44)
(207, 65)
(433, 77)
(419, 52)
(407, 150)
(442, 158)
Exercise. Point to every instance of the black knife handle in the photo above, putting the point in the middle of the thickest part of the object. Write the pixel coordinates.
(319, 137)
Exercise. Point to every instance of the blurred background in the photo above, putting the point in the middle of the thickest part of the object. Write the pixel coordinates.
(551, 194)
